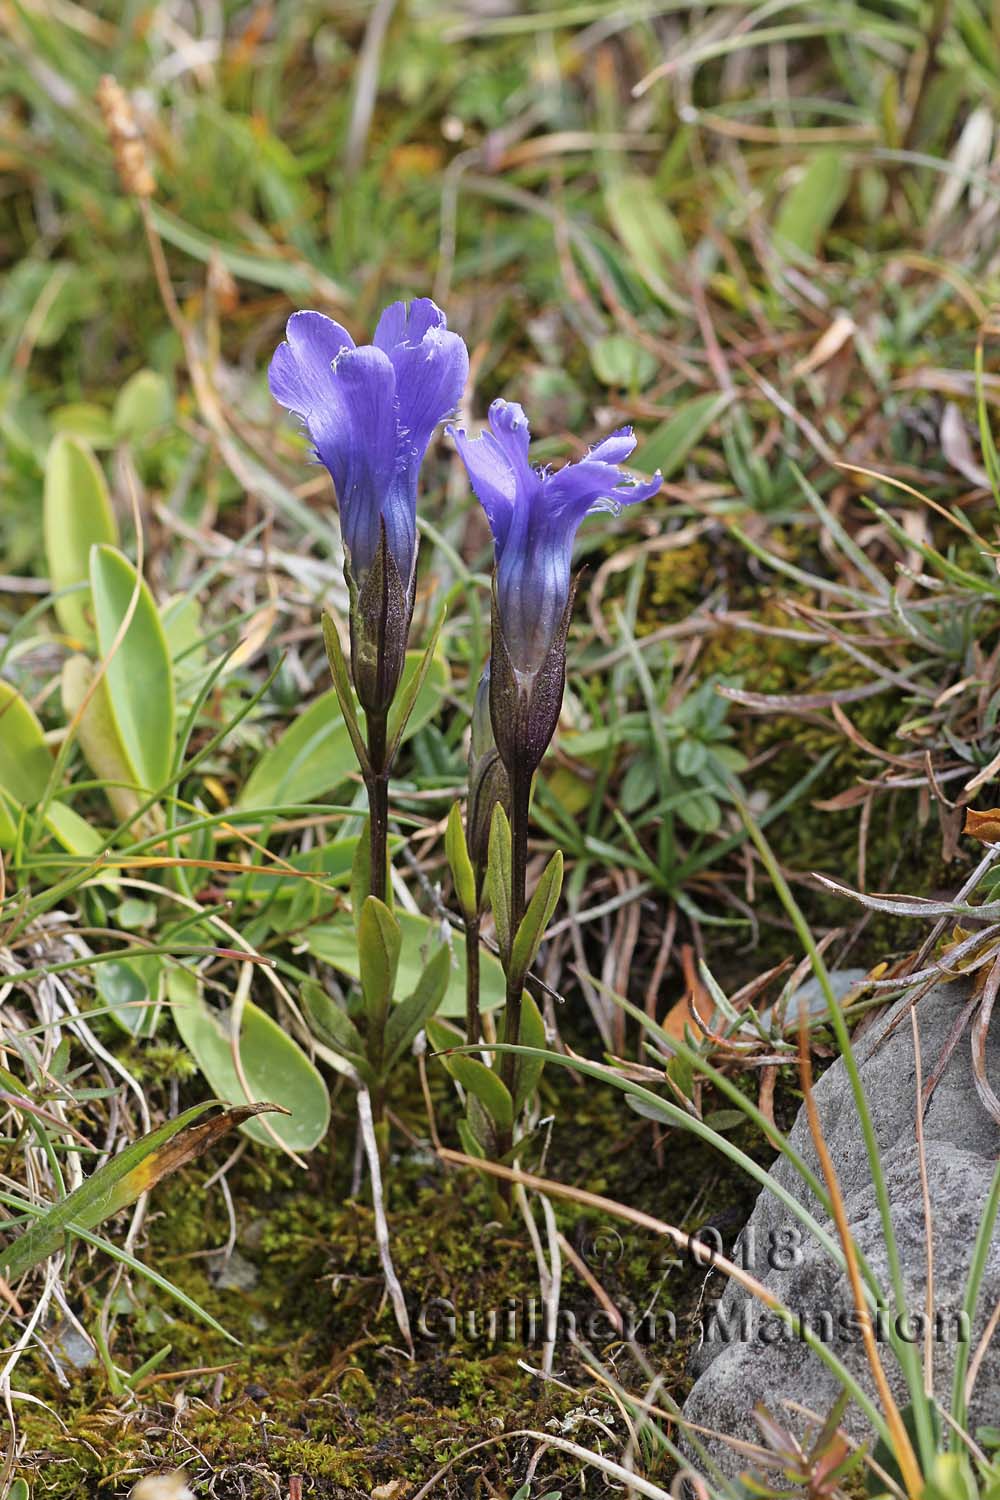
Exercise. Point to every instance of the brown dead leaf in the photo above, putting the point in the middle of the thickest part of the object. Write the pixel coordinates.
(956, 445)
(189, 1144)
(827, 345)
(695, 1008)
(984, 826)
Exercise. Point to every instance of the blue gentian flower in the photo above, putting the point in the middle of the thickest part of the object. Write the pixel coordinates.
(371, 412)
(534, 516)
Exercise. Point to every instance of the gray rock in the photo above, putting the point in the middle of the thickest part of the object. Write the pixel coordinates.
(809, 997)
(70, 1345)
(235, 1274)
(746, 1357)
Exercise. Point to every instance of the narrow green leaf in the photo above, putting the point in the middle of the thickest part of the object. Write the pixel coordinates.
(471, 1144)
(292, 276)
(537, 917)
(335, 943)
(434, 676)
(342, 688)
(334, 1026)
(76, 514)
(811, 205)
(488, 1087)
(379, 942)
(411, 1014)
(668, 445)
(139, 677)
(319, 751)
(310, 758)
(498, 876)
(99, 737)
(457, 854)
(409, 691)
(532, 1034)
(118, 1183)
(361, 876)
(11, 819)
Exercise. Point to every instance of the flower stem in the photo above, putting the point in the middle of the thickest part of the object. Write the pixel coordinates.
(520, 801)
(378, 804)
(472, 980)
(377, 785)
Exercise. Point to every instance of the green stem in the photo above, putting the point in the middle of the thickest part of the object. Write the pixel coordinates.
(472, 1027)
(520, 802)
(378, 804)
(377, 785)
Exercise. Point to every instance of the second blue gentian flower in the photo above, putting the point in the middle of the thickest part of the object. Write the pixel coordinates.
(534, 515)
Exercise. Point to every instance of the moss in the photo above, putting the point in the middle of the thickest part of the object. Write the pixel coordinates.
(319, 1385)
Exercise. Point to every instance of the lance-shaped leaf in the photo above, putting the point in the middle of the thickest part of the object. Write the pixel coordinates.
(471, 1143)
(537, 917)
(532, 1034)
(76, 514)
(308, 759)
(480, 1128)
(457, 853)
(486, 1086)
(361, 875)
(122, 1180)
(319, 750)
(412, 1014)
(379, 942)
(498, 877)
(335, 943)
(410, 687)
(334, 1027)
(342, 687)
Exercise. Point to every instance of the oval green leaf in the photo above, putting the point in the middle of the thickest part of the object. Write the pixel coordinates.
(139, 676)
(143, 404)
(312, 757)
(25, 762)
(76, 514)
(130, 987)
(275, 1066)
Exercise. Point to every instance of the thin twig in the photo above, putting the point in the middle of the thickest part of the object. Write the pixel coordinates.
(393, 1287)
